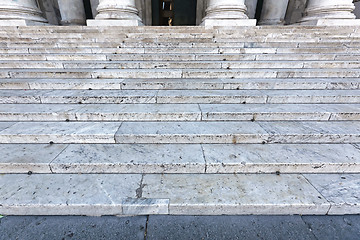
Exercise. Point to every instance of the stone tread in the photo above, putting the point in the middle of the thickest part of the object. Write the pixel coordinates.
(69, 64)
(181, 132)
(179, 158)
(181, 84)
(181, 73)
(179, 194)
(179, 112)
(180, 96)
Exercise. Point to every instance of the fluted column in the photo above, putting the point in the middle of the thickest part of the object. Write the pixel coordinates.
(273, 12)
(117, 12)
(20, 12)
(227, 13)
(329, 12)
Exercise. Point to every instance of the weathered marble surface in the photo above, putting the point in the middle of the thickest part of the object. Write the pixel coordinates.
(60, 132)
(130, 158)
(5, 125)
(312, 132)
(235, 194)
(189, 132)
(341, 190)
(284, 158)
(58, 194)
(24, 158)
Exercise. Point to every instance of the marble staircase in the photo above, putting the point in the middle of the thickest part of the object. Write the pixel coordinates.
(180, 120)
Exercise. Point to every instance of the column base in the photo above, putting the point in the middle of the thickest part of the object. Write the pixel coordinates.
(121, 23)
(21, 22)
(331, 22)
(229, 22)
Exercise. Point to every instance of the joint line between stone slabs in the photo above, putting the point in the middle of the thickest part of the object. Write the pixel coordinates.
(319, 193)
(201, 113)
(51, 170)
(117, 132)
(203, 153)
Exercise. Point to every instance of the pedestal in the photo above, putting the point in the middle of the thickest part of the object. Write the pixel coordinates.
(72, 12)
(20, 12)
(273, 12)
(330, 11)
(116, 13)
(227, 13)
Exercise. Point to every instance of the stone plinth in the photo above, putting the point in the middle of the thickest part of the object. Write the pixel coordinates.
(72, 12)
(116, 13)
(20, 13)
(273, 12)
(227, 13)
(329, 13)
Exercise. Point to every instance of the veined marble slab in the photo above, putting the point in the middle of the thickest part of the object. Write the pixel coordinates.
(60, 132)
(312, 96)
(341, 190)
(5, 125)
(210, 96)
(190, 132)
(98, 96)
(312, 132)
(130, 158)
(209, 194)
(282, 158)
(24, 158)
(103, 112)
(239, 132)
(65, 194)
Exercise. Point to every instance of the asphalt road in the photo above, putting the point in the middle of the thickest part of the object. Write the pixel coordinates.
(180, 227)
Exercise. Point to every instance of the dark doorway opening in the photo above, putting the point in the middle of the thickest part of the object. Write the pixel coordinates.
(88, 11)
(174, 12)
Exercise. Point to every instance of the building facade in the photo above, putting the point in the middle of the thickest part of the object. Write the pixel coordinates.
(178, 12)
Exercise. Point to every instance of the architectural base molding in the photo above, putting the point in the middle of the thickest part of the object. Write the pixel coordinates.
(331, 22)
(229, 22)
(120, 23)
(21, 22)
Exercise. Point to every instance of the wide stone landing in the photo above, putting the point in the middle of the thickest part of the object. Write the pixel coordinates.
(185, 194)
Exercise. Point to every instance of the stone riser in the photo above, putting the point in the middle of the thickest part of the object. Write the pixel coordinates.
(198, 51)
(98, 58)
(180, 96)
(180, 132)
(65, 43)
(178, 158)
(181, 84)
(183, 112)
(175, 194)
(183, 74)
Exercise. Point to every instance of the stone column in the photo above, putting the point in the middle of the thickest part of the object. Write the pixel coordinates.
(20, 13)
(72, 12)
(273, 12)
(227, 13)
(329, 12)
(116, 13)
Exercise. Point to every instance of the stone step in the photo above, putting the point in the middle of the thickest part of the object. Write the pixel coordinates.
(180, 132)
(182, 84)
(179, 112)
(94, 43)
(180, 96)
(179, 194)
(180, 73)
(129, 57)
(204, 50)
(179, 64)
(179, 158)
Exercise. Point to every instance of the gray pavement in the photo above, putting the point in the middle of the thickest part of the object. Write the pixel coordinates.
(180, 227)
